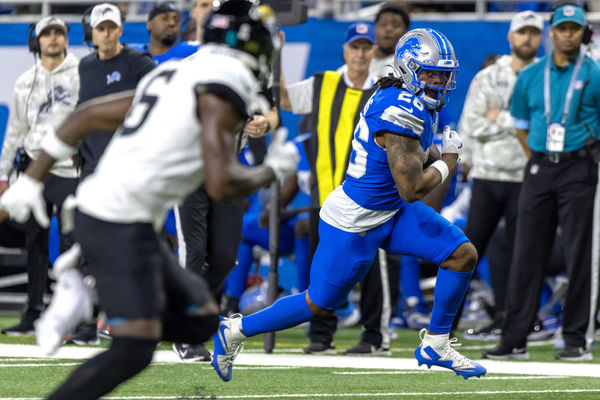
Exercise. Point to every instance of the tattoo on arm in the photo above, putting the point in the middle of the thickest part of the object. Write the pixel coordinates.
(405, 157)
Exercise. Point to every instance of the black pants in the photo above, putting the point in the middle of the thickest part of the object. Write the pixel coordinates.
(209, 235)
(490, 201)
(36, 243)
(552, 194)
(12, 234)
(378, 302)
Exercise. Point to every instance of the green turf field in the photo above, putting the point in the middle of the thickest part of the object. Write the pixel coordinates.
(30, 377)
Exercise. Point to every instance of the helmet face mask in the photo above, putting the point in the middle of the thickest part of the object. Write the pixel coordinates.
(426, 64)
(243, 26)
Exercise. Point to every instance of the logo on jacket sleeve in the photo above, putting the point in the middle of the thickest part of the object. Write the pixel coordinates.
(114, 77)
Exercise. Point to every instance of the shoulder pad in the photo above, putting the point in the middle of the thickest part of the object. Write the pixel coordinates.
(401, 111)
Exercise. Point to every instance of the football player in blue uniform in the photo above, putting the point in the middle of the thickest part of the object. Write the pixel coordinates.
(376, 207)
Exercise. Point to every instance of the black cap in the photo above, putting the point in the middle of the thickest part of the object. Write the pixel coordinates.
(163, 7)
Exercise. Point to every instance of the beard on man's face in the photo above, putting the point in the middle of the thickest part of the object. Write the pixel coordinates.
(525, 53)
(168, 40)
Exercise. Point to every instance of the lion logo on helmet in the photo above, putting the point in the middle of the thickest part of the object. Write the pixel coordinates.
(411, 46)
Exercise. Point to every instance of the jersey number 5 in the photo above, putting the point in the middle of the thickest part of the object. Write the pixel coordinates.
(357, 166)
(141, 109)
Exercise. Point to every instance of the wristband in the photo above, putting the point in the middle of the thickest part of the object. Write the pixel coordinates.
(55, 147)
(443, 168)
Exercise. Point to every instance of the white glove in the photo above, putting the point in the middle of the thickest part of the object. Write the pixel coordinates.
(451, 142)
(282, 156)
(23, 198)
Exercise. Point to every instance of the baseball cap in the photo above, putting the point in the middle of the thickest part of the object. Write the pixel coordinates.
(50, 22)
(360, 30)
(569, 13)
(105, 12)
(163, 7)
(526, 18)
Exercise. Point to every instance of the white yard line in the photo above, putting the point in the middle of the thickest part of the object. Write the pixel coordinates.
(332, 395)
(512, 378)
(39, 365)
(292, 360)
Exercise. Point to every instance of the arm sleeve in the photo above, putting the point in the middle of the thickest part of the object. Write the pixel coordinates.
(16, 130)
(301, 96)
(474, 123)
(519, 106)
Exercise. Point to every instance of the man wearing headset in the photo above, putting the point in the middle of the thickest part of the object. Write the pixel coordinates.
(44, 95)
(112, 68)
(556, 106)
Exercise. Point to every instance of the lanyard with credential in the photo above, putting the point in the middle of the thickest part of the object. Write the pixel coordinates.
(569, 96)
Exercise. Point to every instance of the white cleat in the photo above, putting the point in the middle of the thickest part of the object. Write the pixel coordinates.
(228, 342)
(439, 350)
(71, 304)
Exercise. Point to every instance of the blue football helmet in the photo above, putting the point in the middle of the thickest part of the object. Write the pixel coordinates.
(426, 51)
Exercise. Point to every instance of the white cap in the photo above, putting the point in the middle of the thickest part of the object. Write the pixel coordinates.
(105, 12)
(526, 18)
(50, 22)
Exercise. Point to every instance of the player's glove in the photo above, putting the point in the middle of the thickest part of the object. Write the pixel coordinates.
(451, 142)
(23, 198)
(282, 156)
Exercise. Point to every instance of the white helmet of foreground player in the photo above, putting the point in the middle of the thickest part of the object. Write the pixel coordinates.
(426, 50)
(245, 26)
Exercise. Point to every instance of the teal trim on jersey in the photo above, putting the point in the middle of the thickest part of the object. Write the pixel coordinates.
(527, 102)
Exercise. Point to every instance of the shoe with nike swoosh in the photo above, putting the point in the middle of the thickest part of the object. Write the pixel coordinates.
(439, 350)
(227, 343)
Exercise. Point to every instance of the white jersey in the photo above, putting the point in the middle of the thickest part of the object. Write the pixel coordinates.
(155, 158)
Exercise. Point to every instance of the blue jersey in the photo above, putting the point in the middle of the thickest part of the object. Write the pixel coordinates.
(179, 51)
(369, 181)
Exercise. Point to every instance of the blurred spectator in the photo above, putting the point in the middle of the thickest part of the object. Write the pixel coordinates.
(558, 125)
(164, 27)
(391, 23)
(44, 95)
(498, 160)
(112, 68)
(199, 13)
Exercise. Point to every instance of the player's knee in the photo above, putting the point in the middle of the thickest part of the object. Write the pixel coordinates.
(464, 258)
(316, 310)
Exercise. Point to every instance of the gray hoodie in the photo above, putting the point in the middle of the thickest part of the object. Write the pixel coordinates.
(42, 99)
(492, 147)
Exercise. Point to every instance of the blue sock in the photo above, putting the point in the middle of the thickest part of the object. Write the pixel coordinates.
(301, 253)
(236, 281)
(409, 282)
(285, 313)
(450, 289)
